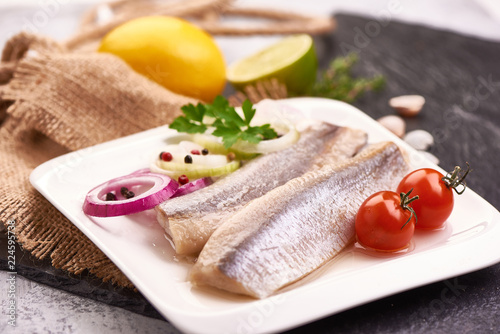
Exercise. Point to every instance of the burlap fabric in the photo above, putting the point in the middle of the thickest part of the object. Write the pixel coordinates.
(58, 102)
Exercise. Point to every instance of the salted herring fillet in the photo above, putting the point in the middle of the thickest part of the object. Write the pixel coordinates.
(293, 229)
(191, 219)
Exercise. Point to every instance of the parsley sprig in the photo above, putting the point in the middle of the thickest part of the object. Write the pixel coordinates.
(228, 124)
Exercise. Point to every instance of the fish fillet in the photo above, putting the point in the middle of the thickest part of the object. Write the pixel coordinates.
(293, 229)
(191, 219)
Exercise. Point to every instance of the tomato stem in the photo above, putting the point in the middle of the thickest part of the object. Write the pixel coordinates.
(455, 179)
(405, 201)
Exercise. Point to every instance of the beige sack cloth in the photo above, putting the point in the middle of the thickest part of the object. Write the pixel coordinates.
(58, 102)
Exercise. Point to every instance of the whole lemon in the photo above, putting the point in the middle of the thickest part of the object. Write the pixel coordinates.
(171, 51)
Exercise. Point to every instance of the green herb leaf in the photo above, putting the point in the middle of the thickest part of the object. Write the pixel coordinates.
(220, 109)
(230, 134)
(194, 113)
(248, 111)
(338, 83)
(183, 124)
(250, 137)
(263, 132)
(227, 123)
(218, 123)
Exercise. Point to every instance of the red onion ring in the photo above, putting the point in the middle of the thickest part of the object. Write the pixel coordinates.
(161, 188)
(193, 186)
(141, 171)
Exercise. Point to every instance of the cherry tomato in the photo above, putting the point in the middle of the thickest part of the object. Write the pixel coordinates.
(385, 222)
(435, 193)
(435, 202)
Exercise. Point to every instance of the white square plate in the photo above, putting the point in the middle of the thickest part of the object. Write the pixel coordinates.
(137, 245)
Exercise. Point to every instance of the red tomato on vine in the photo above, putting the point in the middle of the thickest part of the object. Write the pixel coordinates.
(435, 192)
(385, 221)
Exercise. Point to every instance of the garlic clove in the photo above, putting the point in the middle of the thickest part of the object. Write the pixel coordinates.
(394, 123)
(407, 105)
(419, 139)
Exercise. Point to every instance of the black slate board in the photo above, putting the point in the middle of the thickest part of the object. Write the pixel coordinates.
(464, 116)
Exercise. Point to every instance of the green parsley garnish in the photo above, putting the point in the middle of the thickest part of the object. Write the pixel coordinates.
(228, 124)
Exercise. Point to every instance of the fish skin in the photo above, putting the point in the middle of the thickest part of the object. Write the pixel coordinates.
(294, 229)
(190, 220)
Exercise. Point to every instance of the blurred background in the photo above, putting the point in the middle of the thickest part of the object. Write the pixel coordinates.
(60, 18)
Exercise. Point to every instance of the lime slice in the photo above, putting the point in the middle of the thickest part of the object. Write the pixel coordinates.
(292, 61)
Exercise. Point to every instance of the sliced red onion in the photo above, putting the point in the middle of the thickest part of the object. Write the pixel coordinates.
(141, 171)
(193, 186)
(150, 190)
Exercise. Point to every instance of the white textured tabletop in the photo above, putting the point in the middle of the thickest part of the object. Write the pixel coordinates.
(42, 309)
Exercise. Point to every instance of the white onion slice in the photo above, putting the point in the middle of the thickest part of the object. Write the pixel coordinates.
(245, 150)
(175, 170)
(215, 146)
(290, 137)
(193, 186)
(151, 189)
